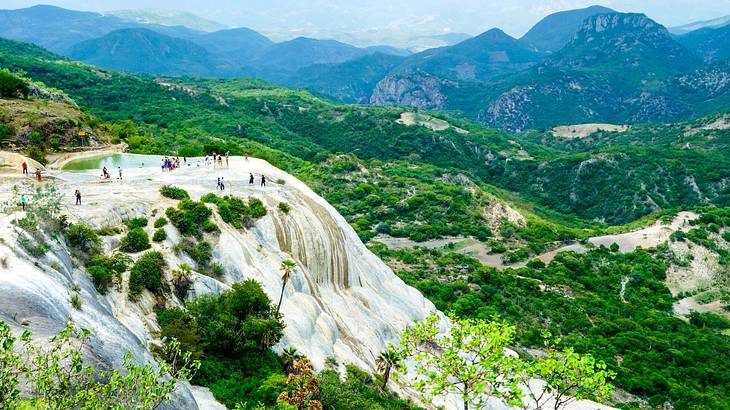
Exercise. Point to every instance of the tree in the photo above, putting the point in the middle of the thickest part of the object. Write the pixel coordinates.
(58, 378)
(386, 361)
(287, 267)
(469, 359)
(569, 376)
(303, 387)
(289, 356)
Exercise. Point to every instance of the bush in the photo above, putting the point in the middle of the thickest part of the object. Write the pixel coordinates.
(160, 222)
(133, 223)
(136, 240)
(189, 217)
(105, 270)
(284, 207)
(174, 192)
(109, 231)
(160, 235)
(217, 270)
(83, 238)
(147, 274)
(12, 86)
(101, 277)
(201, 253)
(239, 214)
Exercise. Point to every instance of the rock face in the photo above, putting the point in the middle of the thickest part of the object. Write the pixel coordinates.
(342, 301)
(413, 88)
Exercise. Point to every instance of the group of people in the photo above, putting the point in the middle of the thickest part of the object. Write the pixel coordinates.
(251, 179)
(105, 173)
(216, 158)
(38, 174)
(168, 164)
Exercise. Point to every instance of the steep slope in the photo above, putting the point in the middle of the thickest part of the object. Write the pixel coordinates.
(711, 44)
(556, 30)
(144, 51)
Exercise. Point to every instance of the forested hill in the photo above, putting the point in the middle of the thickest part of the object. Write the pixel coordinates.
(418, 175)
(613, 183)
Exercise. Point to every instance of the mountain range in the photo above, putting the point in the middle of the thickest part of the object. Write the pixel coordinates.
(585, 65)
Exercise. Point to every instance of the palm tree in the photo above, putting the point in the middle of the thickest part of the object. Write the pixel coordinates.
(386, 361)
(289, 356)
(287, 267)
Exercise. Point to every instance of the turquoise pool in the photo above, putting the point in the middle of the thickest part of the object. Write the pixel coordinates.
(112, 161)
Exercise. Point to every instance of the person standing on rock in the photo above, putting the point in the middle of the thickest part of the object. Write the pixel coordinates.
(223, 185)
(77, 194)
(24, 165)
(218, 185)
(38, 174)
(120, 173)
(250, 179)
(23, 201)
(227, 152)
(263, 180)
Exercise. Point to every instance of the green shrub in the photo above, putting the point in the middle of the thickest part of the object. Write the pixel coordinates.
(174, 192)
(284, 207)
(217, 270)
(160, 222)
(147, 274)
(36, 152)
(139, 222)
(104, 270)
(83, 238)
(101, 277)
(136, 240)
(189, 217)
(236, 212)
(12, 86)
(109, 231)
(210, 198)
(201, 252)
(160, 235)
(709, 320)
(210, 227)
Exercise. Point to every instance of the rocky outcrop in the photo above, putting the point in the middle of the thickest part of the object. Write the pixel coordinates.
(413, 88)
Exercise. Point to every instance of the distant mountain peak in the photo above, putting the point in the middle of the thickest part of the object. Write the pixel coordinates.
(618, 21)
(555, 31)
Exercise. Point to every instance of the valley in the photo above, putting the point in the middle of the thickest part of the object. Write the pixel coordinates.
(570, 187)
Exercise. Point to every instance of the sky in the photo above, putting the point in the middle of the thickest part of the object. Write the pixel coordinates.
(375, 19)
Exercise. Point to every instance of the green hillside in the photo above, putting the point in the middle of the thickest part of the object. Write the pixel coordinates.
(438, 176)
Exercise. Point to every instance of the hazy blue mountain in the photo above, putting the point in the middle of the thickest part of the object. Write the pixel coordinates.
(351, 81)
(242, 42)
(713, 23)
(301, 52)
(478, 58)
(55, 28)
(556, 30)
(711, 44)
(165, 17)
(145, 51)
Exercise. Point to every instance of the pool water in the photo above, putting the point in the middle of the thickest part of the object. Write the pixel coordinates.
(112, 161)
